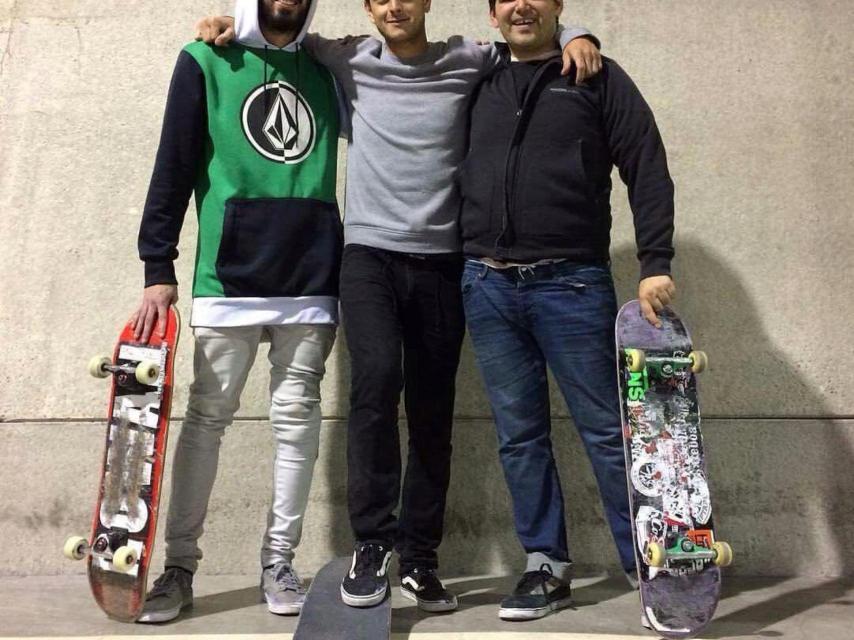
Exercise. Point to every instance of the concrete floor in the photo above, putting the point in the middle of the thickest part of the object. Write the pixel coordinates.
(228, 606)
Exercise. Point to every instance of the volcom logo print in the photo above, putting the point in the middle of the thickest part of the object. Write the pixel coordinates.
(279, 123)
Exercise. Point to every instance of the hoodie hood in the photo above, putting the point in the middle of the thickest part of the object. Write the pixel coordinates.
(248, 30)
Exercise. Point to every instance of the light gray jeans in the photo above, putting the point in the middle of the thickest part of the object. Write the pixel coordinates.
(223, 358)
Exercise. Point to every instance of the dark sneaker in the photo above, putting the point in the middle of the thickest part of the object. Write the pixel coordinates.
(366, 584)
(283, 590)
(425, 588)
(171, 592)
(537, 594)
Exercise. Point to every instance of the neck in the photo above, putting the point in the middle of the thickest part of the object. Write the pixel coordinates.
(529, 55)
(410, 48)
(278, 39)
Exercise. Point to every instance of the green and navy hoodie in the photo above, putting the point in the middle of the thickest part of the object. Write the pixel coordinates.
(252, 131)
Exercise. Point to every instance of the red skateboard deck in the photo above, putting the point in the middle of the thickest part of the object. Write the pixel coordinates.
(677, 554)
(121, 544)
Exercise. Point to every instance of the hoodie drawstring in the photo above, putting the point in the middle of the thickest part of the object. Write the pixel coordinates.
(298, 94)
(266, 105)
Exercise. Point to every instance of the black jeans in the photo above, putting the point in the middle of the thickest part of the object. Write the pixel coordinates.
(403, 319)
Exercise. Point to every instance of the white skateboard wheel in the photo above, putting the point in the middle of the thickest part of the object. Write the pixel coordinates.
(125, 558)
(147, 372)
(98, 366)
(75, 548)
(723, 551)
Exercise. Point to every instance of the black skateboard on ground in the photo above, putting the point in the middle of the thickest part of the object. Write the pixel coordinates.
(324, 615)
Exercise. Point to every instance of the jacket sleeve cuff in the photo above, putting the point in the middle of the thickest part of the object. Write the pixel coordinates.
(159, 272)
(655, 266)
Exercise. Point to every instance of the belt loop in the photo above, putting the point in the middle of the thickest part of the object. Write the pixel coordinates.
(484, 269)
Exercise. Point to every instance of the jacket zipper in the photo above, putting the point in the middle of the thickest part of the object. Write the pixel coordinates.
(513, 151)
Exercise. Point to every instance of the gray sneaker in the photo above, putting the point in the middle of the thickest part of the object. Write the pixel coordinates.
(172, 592)
(283, 590)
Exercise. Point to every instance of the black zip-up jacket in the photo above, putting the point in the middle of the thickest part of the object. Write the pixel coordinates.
(536, 182)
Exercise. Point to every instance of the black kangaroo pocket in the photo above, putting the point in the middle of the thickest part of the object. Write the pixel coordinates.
(279, 247)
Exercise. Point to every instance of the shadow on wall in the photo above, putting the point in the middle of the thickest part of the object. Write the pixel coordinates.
(782, 487)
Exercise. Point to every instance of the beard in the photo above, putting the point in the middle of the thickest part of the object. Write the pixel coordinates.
(271, 17)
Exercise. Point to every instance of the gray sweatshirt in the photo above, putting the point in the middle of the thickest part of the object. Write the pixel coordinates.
(409, 136)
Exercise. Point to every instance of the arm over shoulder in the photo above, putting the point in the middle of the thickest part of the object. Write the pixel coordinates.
(333, 53)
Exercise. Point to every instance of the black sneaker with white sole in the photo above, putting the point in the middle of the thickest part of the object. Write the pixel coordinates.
(537, 594)
(366, 584)
(424, 587)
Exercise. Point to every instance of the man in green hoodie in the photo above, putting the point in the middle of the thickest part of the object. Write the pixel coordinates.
(252, 132)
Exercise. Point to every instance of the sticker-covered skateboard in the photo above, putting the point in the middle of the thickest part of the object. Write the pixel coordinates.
(324, 615)
(120, 547)
(678, 555)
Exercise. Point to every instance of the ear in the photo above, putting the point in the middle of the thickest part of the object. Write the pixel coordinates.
(427, 5)
(367, 7)
(559, 4)
(493, 20)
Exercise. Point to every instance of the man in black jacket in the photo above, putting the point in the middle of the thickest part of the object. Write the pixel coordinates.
(537, 286)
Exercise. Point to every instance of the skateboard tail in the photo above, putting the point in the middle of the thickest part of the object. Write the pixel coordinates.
(116, 597)
(663, 629)
(681, 606)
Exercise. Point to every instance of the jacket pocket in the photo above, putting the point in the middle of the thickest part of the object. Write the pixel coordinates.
(279, 247)
(554, 193)
(482, 205)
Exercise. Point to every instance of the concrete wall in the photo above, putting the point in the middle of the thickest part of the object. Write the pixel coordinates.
(754, 101)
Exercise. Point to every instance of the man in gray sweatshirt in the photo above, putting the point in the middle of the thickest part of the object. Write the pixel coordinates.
(400, 278)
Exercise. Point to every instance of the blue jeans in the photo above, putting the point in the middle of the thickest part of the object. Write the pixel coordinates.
(562, 316)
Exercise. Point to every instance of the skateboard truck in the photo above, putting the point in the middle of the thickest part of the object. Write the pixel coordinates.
(109, 546)
(637, 360)
(685, 551)
(145, 372)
